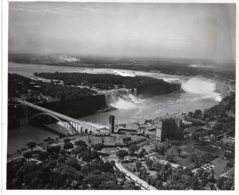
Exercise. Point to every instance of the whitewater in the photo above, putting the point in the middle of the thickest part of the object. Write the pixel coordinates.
(199, 87)
(127, 102)
(199, 93)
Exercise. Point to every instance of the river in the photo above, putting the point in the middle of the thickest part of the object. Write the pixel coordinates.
(199, 94)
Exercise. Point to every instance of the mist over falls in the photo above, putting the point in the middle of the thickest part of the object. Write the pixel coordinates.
(126, 102)
(123, 99)
(199, 93)
(127, 99)
(205, 88)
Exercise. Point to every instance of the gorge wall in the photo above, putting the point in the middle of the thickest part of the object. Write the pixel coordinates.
(88, 105)
(160, 88)
(85, 106)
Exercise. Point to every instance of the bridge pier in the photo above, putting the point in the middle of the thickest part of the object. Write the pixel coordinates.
(77, 127)
(72, 125)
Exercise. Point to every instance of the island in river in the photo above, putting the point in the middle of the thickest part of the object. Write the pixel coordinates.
(127, 110)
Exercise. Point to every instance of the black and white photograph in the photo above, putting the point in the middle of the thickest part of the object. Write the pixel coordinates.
(120, 96)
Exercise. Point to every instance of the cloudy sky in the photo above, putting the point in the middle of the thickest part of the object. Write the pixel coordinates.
(202, 31)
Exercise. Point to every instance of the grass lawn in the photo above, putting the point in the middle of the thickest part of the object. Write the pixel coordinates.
(220, 164)
(130, 167)
(115, 139)
(182, 154)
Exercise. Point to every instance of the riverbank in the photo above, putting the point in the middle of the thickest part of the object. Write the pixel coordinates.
(17, 138)
(124, 111)
(167, 66)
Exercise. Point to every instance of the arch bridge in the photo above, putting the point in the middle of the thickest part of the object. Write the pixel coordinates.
(73, 126)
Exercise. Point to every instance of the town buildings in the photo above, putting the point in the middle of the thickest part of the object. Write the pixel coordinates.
(169, 128)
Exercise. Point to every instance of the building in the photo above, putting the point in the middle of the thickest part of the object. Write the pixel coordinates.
(228, 143)
(112, 123)
(170, 128)
(160, 136)
(132, 129)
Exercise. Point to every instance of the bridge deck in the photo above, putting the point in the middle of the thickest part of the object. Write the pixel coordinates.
(59, 115)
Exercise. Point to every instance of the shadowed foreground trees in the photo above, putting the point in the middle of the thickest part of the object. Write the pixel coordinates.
(31, 144)
(122, 153)
(57, 168)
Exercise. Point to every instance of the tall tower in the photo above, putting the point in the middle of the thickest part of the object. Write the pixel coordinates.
(112, 123)
(179, 134)
(172, 128)
(160, 135)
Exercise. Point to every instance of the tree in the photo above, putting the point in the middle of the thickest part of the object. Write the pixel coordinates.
(35, 182)
(61, 158)
(43, 173)
(141, 153)
(132, 149)
(211, 177)
(231, 163)
(138, 165)
(15, 183)
(170, 158)
(68, 145)
(190, 114)
(149, 163)
(143, 174)
(86, 155)
(74, 163)
(195, 136)
(107, 167)
(122, 153)
(67, 140)
(27, 155)
(53, 149)
(193, 157)
(31, 144)
(80, 143)
(43, 156)
(212, 186)
(160, 149)
(197, 113)
(78, 150)
(94, 180)
(157, 166)
(126, 140)
(224, 183)
(159, 185)
(85, 169)
(109, 185)
(195, 184)
(98, 146)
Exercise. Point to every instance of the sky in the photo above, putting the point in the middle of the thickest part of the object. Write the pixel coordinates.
(164, 30)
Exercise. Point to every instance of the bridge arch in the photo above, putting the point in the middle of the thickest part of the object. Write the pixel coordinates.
(51, 115)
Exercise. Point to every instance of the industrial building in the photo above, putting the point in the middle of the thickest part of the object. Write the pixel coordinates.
(169, 128)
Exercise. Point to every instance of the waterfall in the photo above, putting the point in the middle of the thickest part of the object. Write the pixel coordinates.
(123, 98)
(205, 88)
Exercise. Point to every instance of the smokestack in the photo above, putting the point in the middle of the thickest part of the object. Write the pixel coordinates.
(112, 123)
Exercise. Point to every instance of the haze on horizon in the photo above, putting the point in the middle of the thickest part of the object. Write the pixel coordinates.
(164, 30)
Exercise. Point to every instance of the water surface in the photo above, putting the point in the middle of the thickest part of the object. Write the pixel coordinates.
(199, 94)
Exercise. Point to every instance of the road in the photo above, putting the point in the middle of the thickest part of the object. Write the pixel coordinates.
(164, 162)
(135, 178)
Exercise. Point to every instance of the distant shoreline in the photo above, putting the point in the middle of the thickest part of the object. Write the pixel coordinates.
(160, 66)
